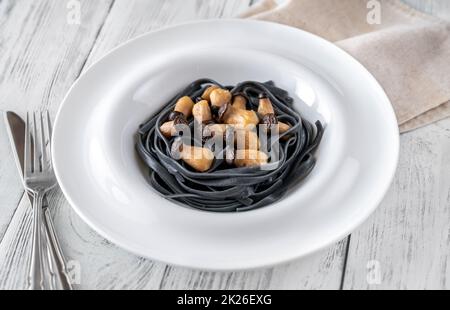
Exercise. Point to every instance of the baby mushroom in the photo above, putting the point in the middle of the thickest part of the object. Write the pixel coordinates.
(268, 117)
(240, 118)
(237, 115)
(244, 139)
(168, 129)
(220, 100)
(171, 129)
(240, 102)
(207, 93)
(199, 158)
(282, 127)
(250, 158)
(266, 111)
(220, 97)
(247, 140)
(202, 112)
(183, 110)
(183, 107)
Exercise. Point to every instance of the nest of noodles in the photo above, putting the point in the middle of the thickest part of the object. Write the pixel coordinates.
(225, 188)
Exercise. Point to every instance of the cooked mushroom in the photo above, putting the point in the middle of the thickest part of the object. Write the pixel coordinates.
(182, 110)
(266, 112)
(170, 129)
(265, 106)
(207, 93)
(240, 118)
(219, 97)
(202, 112)
(247, 140)
(243, 138)
(268, 117)
(212, 130)
(199, 158)
(240, 101)
(250, 158)
(184, 106)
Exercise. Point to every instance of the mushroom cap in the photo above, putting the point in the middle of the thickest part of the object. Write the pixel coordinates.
(207, 93)
(220, 97)
(270, 120)
(202, 112)
(184, 105)
(265, 107)
(180, 120)
(240, 101)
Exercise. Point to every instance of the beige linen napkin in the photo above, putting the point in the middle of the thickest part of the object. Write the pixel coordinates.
(408, 51)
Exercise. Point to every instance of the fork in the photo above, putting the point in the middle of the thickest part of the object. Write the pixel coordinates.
(39, 179)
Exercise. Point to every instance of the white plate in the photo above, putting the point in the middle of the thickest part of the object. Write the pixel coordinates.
(101, 176)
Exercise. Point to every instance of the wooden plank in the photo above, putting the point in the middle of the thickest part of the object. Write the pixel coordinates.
(322, 270)
(106, 267)
(41, 55)
(406, 244)
(407, 241)
(15, 249)
(10, 184)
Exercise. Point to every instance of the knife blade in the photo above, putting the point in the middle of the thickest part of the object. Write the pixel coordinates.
(16, 133)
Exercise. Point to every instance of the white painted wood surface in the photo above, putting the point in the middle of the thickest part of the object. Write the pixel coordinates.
(407, 240)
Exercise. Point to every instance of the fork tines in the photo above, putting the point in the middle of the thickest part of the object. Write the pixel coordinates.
(38, 133)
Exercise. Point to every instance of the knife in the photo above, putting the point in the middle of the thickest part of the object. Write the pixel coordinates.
(58, 268)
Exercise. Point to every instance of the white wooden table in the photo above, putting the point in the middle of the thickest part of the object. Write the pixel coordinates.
(405, 244)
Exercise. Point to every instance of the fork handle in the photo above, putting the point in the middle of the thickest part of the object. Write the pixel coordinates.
(60, 275)
(36, 274)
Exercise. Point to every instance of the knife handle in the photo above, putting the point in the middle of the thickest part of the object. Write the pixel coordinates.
(36, 272)
(58, 266)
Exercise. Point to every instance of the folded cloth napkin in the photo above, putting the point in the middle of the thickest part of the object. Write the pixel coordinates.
(407, 51)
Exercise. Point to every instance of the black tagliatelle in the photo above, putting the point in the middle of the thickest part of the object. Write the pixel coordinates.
(224, 187)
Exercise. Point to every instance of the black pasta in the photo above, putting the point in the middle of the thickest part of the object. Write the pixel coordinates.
(224, 188)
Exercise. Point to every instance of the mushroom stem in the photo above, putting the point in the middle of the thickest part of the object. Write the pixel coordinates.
(250, 158)
(202, 112)
(184, 105)
(265, 106)
(240, 102)
(168, 129)
(247, 140)
(207, 93)
(267, 113)
(240, 118)
(213, 130)
(199, 158)
(172, 128)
